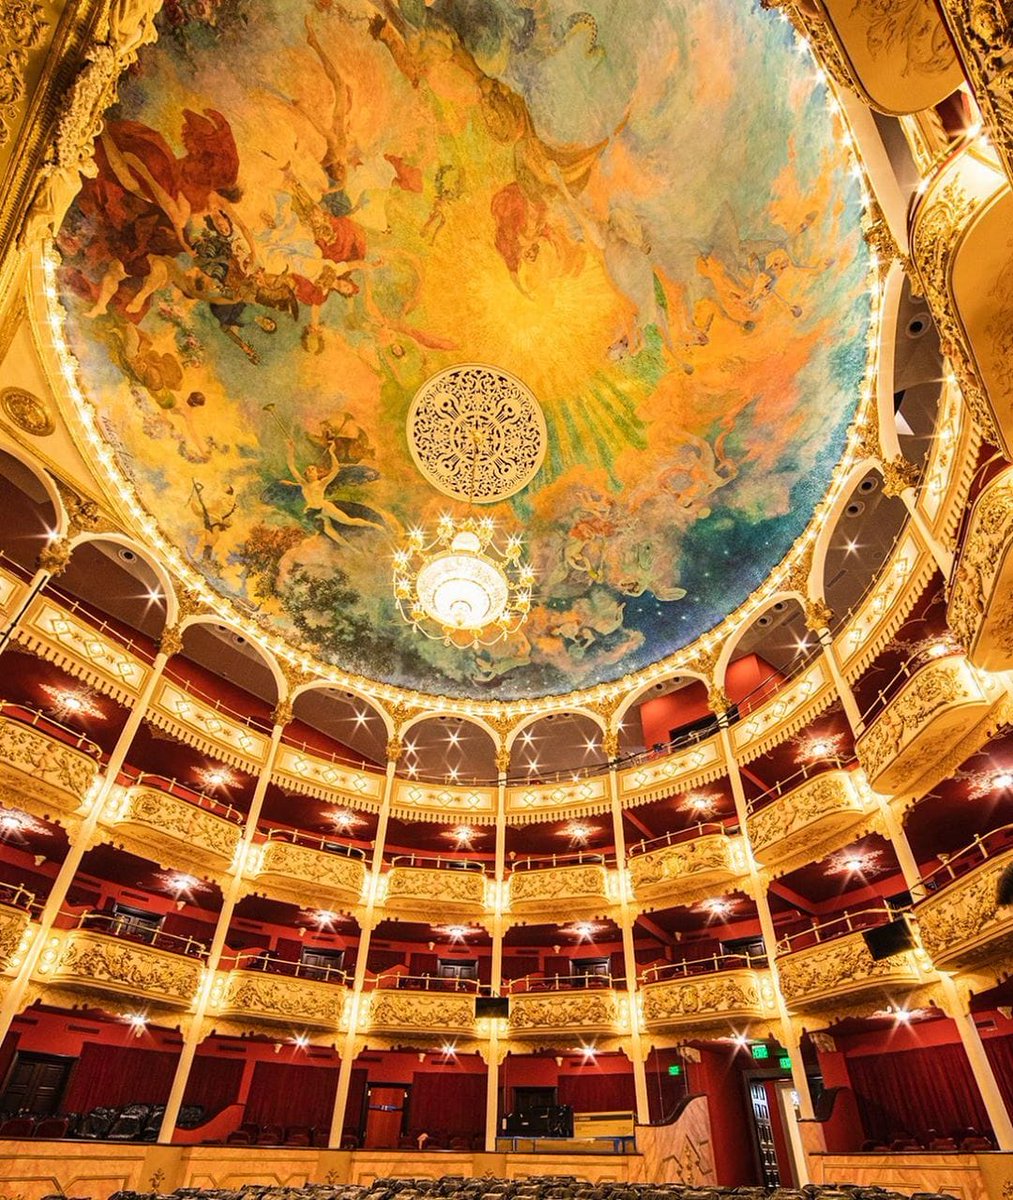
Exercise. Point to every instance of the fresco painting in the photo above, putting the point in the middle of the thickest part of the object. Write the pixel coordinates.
(262, 274)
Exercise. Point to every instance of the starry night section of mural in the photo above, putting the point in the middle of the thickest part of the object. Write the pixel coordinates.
(306, 208)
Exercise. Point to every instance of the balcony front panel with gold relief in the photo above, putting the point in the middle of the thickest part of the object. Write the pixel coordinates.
(800, 826)
(818, 976)
(84, 960)
(784, 712)
(56, 633)
(13, 924)
(301, 771)
(423, 1014)
(413, 800)
(980, 608)
(549, 801)
(562, 892)
(684, 871)
(39, 773)
(576, 1014)
(663, 777)
(961, 924)
(307, 876)
(279, 999)
(433, 893)
(913, 738)
(704, 1001)
(171, 831)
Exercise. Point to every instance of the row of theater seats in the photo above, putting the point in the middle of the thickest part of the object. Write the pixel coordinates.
(968, 1141)
(251, 1134)
(534, 1187)
(129, 1123)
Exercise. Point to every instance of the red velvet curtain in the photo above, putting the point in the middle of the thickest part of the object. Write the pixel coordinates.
(111, 1076)
(914, 1091)
(447, 1103)
(354, 1116)
(590, 1092)
(214, 1082)
(1000, 1055)
(292, 1094)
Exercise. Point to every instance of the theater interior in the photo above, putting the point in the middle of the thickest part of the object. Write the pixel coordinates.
(506, 638)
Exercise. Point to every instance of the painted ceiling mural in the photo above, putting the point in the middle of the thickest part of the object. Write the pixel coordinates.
(306, 208)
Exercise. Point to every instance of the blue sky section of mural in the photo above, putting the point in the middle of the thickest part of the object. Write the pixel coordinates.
(303, 210)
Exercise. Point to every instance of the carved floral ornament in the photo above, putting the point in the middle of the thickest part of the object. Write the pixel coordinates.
(962, 924)
(822, 974)
(981, 559)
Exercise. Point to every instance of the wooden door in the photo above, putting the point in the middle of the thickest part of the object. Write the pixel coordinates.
(386, 1115)
(35, 1084)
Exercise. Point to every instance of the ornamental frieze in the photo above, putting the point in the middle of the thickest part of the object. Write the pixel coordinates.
(556, 886)
(442, 889)
(573, 1012)
(153, 823)
(962, 924)
(422, 1012)
(307, 875)
(278, 998)
(805, 820)
(40, 772)
(94, 961)
(702, 1000)
(678, 873)
(842, 967)
(974, 601)
(13, 923)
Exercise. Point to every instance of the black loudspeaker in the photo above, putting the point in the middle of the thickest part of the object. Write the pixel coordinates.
(887, 940)
(496, 1007)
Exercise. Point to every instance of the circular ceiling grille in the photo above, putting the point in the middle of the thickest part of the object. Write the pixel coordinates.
(476, 432)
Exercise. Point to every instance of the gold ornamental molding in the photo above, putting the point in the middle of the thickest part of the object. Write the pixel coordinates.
(943, 704)
(723, 999)
(428, 894)
(271, 1000)
(791, 709)
(563, 893)
(823, 975)
(421, 1016)
(416, 801)
(83, 959)
(674, 773)
(685, 872)
(567, 1015)
(310, 775)
(306, 876)
(551, 801)
(813, 818)
(42, 775)
(206, 728)
(13, 927)
(173, 832)
(962, 926)
(980, 607)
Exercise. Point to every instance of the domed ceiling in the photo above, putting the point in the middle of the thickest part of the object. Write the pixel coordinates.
(303, 211)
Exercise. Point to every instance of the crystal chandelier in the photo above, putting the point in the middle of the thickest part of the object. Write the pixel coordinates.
(462, 586)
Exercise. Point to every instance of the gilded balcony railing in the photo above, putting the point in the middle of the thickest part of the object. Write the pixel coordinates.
(721, 992)
(44, 768)
(680, 868)
(563, 886)
(156, 824)
(961, 923)
(293, 1000)
(16, 906)
(427, 1014)
(293, 868)
(569, 1013)
(434, 888)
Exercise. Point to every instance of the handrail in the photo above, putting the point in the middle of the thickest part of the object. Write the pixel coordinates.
(561, 983)
(956, 865)
(542, 862)
(46, 724)
(323, 842)
(80, 608)
(128, 929)
(265, 963)
(181, 791)
(420, 983)
(702, 966)
(260, 724)
(916, 663)
(360, 763)
(806, 771)
(18, 896)
(836, 927)
(439, 862)
(675, 836)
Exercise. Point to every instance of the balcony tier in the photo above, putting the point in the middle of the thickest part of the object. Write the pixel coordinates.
(279, 999)
(821, 975)
(13, 924)
(722, 998)
(171, 831)
(961, 924)
(598, 1013)
(94, 962)
(800, 826)
(424, 1014)
(683, 872)
(41, 774)
(582, 890)
(306, 876)
(980, 609)
(433, 894)
(912, 741)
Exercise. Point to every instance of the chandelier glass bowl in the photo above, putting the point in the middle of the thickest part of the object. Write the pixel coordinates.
(462, 586)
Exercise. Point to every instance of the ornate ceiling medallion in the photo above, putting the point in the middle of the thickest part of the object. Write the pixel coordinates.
(476, 433)
(27, 412)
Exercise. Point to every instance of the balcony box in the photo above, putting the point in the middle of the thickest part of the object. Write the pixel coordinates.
(963, 927)
(573, 1015)
(309, 877)
(173, 832)
(281, 1000)
(683, 872)
(436, 1015)
(41, 774)
(799, 827)
(721, 998)
(434, 893)
(842, 969)
(581, 890)
(912, 742)
(84, 960)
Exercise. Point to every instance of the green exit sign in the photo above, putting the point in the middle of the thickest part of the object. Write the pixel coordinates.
(674, 1069)
(761, 1050)
(784, 1062)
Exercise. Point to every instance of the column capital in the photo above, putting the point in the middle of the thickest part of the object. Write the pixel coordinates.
(818, 615)
(395, 750)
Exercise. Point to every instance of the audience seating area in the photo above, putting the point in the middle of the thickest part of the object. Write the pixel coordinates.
(131, 1123)
(534, 1187)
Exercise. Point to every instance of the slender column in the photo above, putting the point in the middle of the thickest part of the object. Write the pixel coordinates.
(848, 702)
(759, 891)
(942, 556)
(84, 837)
(496, 977)
(627, 918)
(233, 893)
(394, 751)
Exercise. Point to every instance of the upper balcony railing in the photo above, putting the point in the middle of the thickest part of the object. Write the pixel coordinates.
(837, 927)
(14, 895)
(267, 963)
(575, 858)
(393, 982)
(49, 726)
(312, 841)
(805, 772)
(438, 862)
(561, 983)
(676, 836)
(983, 847)
(131, 777)
(128, 929)
(702, 966)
